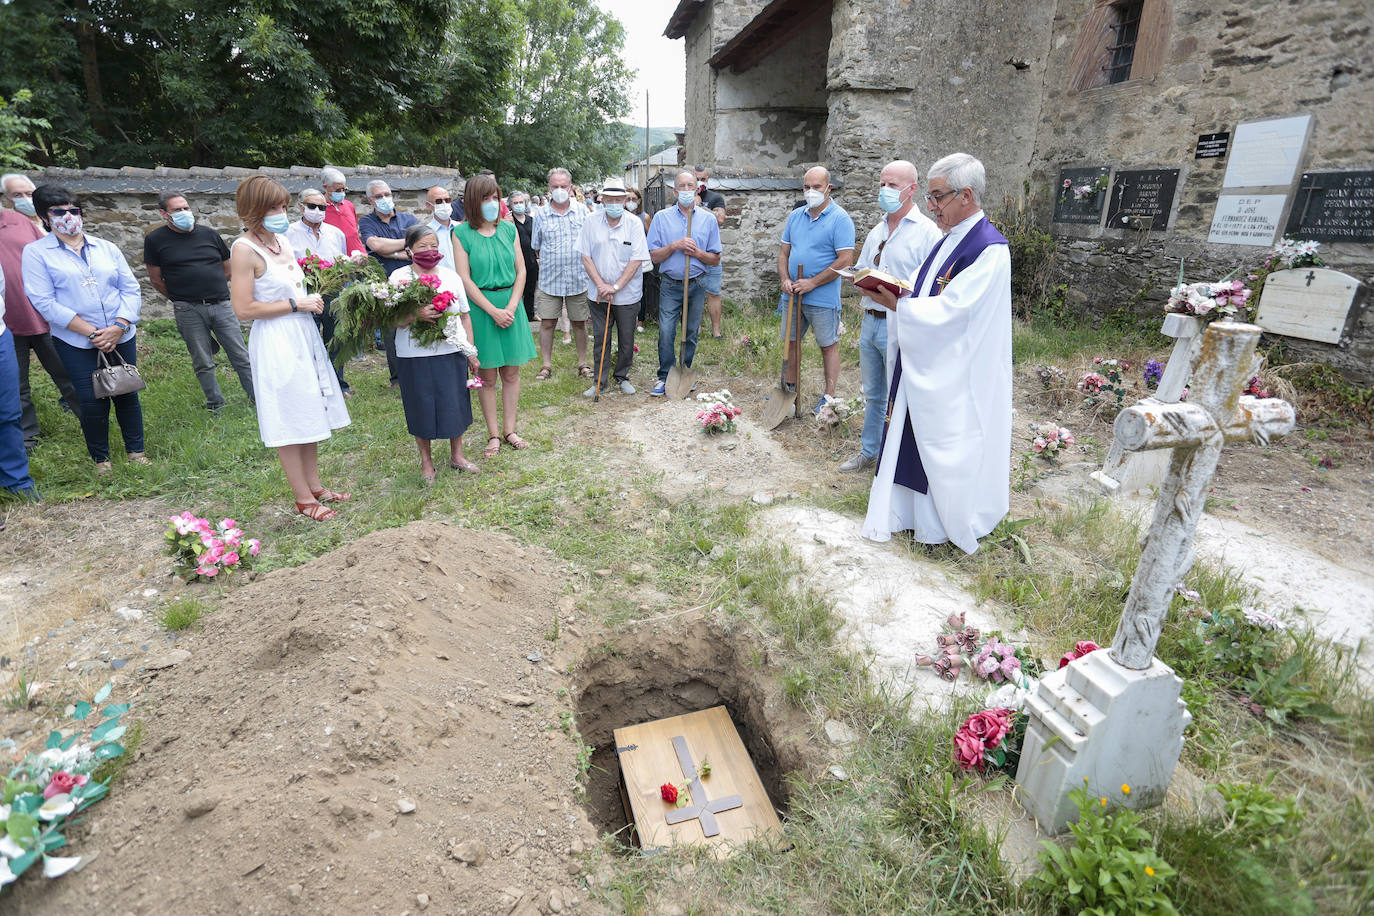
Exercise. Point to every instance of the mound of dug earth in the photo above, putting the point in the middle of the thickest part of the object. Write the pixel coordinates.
(364, 733)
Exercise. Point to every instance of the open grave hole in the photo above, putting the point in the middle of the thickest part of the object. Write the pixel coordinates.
(648, 674)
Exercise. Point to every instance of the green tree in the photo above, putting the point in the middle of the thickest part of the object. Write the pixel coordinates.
(18, 131)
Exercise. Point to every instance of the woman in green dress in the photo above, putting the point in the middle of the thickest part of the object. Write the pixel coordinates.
(488, 258)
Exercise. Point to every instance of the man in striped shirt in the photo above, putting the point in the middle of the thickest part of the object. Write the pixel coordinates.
(562, 278)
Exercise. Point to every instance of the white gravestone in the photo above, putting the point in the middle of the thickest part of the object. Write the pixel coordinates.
(1126, 473)
(1247, 220)
(1115, 716)
(1308, 302)
(1267, 153)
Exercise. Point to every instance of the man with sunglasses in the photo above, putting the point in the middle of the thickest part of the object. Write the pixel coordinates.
(312, 234)
(188, 263)
(439, 203)
(896, 245)
(944, 466)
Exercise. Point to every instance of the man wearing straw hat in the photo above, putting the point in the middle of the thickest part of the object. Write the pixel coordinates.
(613, 250)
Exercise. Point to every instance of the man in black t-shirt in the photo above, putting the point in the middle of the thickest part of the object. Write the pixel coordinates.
(189, 264)
(712, 201)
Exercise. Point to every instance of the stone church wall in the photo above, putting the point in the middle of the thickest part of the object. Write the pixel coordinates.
(120, 205)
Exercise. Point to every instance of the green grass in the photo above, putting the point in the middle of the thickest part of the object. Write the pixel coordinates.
(182, 612)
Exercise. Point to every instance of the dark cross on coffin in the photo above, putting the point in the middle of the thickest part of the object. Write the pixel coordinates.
(1311, 275)
(701, 808)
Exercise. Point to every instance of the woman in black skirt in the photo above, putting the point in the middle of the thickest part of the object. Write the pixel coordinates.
(434, 377)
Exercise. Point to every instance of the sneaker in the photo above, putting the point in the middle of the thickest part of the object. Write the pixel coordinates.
(825, 399)
(858, 463)
(626, 387)
(660, 389)
(590, 392)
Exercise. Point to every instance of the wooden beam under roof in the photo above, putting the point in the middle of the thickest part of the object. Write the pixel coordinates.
(682, 18)
(775, 25)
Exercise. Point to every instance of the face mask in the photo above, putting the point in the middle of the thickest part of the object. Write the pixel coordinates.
(631, 205)
(24, 205)
(814, 198)
(890, 199)
(614, 210)
(276, 223)
(336, 196)
(313, 216)
(520, 209)
(560, 195)
(427, 260)
(685, 198)
(183, 220)
(384, 205)
(67, 224)
(490, 210)
(443, 212)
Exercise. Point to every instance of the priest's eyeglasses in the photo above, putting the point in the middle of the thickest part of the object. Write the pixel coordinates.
(938, 198)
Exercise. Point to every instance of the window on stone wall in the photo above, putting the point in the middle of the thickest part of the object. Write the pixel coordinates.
(1120, 41)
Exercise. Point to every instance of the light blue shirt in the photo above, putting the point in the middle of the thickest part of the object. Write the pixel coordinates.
(96, 285)
(816, 243)
(445, 236)
(669, 225)
(555, 238)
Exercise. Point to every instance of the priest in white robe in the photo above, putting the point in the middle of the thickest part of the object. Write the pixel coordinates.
(945, 465)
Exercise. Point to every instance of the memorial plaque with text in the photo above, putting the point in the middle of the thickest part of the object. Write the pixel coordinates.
(1212, 146)
(1242, 219)
(1334, 207)
(1078, 200)
(1146, 195)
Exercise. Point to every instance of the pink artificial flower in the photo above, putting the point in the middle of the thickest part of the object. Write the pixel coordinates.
(63, 782)
(227, 523)
(990, 726)
(1040, 444)
(1068, 182)
(1080, 649)
(1097, 360)
(1010, 665)
(968, 751)
(475, 382)
(208, 571)
(231, 559)
(1065, 436)
(254, 545)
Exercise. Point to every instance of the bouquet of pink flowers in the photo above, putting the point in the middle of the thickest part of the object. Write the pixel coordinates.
(1210, 300)
(423, 291)
(996, 661)
(1048, 439)
(991, 738)
(719, 414)
(202, 550)
(1080, 649)
(328, 278)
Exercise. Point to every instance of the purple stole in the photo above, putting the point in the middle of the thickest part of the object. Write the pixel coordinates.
(909, 471)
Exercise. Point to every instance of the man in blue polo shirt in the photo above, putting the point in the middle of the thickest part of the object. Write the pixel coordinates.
(820, 238)
(676, 253)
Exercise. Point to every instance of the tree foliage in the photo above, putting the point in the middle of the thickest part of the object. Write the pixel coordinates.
(514, 85)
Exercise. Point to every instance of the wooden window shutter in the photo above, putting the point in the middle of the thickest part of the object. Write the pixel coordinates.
(1090, 55)
(1152, 43)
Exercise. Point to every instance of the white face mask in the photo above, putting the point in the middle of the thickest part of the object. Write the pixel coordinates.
(443, 212)
(631, 205)
(313, 216)
(814, 198)
(560, 195)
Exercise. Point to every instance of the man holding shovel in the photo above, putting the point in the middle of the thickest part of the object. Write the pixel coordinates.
(683, 241)
(613, 250)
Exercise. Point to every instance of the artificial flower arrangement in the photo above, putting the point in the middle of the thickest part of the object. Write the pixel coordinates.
(991, 659)
(328, 278)
(1224, 298)
(1292, 253)
(201, 550)
(1049, 439)
(1154, 373)
(1109, 376)
(1050, 377)
(719, 414)
(1084, 191)
(834, 411)
(44, 791)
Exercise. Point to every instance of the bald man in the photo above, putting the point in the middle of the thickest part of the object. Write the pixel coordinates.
(818, 237)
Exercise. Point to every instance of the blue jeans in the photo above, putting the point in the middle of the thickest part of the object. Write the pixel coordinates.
(14, 461)
(80, 362)
(873, 366)
(669, 313)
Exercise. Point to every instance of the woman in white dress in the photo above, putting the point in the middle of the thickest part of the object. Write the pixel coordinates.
(298, 395)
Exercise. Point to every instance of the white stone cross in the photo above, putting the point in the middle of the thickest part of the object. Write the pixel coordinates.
(1215, 414)
(1115, 717)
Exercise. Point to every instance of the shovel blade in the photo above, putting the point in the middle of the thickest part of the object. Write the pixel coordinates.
(778, 407)
(680, 382)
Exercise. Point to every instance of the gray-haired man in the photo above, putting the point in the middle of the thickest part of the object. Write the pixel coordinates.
(383, 231)
(339, 211)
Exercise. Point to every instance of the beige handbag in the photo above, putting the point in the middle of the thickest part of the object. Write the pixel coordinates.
(113, 379)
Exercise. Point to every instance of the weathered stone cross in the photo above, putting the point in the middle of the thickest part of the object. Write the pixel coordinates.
(1196, 430)
(1115, 717)
(701, 808)
(1311, 275)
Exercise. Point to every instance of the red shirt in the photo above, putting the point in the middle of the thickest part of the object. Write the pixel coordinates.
(16, 231)
(344, 218)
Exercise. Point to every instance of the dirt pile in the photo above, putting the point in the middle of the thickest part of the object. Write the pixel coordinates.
(375, 730)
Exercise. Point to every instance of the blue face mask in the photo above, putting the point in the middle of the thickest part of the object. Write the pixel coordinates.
(490, 210)
(384, 204)
(520, 209)
(890, 199)
(25, 205)
(336, 196)
(685, 198)
(276, 223)
(614, 210)
(183, 220)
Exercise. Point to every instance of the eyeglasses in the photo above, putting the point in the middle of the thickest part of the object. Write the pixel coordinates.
(315, 206)
(936, 198)
(63, 211)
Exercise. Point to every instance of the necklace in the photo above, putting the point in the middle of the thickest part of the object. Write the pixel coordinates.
(267, 245)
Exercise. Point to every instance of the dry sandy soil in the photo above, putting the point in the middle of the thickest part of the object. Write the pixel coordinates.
(285, 737)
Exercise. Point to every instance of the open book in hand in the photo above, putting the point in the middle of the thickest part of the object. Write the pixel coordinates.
(871, 279)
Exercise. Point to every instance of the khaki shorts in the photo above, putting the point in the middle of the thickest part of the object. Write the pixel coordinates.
(550, 308)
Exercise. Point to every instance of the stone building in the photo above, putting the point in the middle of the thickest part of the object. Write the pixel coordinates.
(1128, 90)
(121, 204)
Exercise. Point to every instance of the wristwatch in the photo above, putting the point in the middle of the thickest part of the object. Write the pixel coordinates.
(293, 304)
(91, 336)
(615, 287)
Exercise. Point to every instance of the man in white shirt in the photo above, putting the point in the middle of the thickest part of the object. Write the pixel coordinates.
(312, 235)
(439, 203)
(896, 245)
(613, 252)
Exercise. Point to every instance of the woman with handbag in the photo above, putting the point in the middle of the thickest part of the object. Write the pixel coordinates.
(299, 400)
(83, 286)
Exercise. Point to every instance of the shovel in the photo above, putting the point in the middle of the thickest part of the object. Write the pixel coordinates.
(601, 363)
(780, 400)
(681, 378)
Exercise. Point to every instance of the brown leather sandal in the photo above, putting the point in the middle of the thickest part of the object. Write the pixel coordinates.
(491, 450)
(329, 496)
(316, 511)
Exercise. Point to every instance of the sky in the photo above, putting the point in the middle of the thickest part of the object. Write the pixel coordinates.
(658, 63)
